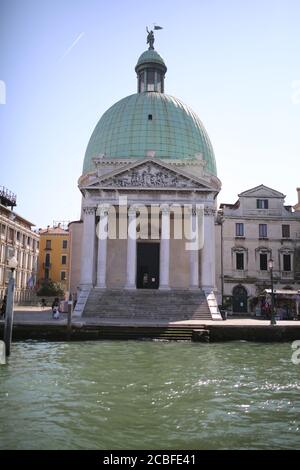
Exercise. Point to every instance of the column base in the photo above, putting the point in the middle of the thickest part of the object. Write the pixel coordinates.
(101, 286)
(85, 285)
(208, 289)
(164, 287)
(130, 287)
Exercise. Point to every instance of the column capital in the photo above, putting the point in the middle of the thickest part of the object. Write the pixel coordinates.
(103, 209)
(165, 208)
(197, 210)
(89, 210)
(132, 210)
(208, 210)
(191, 209)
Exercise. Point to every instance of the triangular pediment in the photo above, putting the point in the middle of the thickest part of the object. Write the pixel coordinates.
(262, 191)
(149, 174)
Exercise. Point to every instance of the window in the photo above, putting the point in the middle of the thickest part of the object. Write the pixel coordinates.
(240, 261)
(149, 117)
(239, 230)
(65, 244)
(287, 262)
(263, 262)
(18, 236)
(150, 79)
(141, 82)
(10, 234)
(262, 204)
(63, 275)
(7, 276)
(160, 82)
(63, 259)
(263, 231)
(48, 244)
(285, 231)
(47, 261)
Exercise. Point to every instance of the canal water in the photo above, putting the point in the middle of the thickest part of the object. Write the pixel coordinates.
(149, 395)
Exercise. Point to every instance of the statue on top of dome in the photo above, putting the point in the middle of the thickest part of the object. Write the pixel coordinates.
(150, 38)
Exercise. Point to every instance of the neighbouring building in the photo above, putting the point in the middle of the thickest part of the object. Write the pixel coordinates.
(256, 228)
(54, 257)
(148, 159)
(17, 239)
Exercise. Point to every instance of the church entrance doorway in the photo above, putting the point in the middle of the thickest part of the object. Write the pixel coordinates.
(147, 265)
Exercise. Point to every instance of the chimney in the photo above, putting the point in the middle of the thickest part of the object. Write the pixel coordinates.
(298, 191)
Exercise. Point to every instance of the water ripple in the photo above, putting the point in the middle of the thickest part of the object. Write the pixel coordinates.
(135, 395)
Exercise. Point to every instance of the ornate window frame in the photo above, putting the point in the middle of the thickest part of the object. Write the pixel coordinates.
(234, 251)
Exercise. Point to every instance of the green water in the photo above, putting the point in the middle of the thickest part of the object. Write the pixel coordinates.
(149, 395)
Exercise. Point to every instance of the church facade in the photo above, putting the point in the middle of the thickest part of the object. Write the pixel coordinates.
(149, 187)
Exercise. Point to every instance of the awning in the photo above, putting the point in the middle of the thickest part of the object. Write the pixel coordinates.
(283, 291)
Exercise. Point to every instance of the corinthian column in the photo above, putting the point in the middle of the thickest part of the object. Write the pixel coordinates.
(208, 273)
(164, 261)
(194, 253)
(88, 246)
(131, 250)
(102, 234)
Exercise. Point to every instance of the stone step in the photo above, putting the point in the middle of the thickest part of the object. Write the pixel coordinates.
(144, 315)
(147, 304)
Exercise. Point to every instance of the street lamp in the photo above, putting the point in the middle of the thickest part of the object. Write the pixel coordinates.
(12, 264)
(271, 266)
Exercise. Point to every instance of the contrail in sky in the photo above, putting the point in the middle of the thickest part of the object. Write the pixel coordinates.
(72, 45)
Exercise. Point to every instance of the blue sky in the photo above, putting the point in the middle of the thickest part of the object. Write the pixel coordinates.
(236, 63)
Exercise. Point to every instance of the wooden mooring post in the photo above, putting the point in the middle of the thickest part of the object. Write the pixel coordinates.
(9, 313)
(69, 319)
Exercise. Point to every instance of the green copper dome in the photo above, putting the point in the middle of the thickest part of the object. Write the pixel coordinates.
(150, 56)
(150, 121)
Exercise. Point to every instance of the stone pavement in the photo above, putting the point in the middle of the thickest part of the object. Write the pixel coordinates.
(37, 315)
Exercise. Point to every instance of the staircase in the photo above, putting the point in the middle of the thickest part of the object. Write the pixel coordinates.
(147, 305)
(82, 300)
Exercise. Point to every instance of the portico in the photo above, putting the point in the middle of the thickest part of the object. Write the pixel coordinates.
(166, 218)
